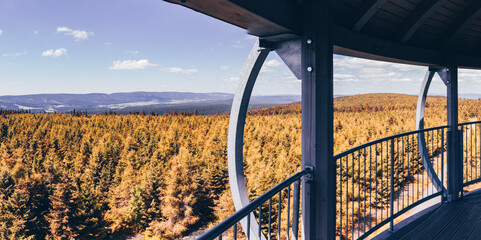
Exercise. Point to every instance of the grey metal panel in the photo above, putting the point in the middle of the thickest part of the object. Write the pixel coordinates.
(290, 53)
(236, 134)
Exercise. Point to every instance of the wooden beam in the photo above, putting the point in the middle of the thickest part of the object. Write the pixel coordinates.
(465, 19)
(422, 12)
(368, 10)
(319, 193)
(348, 42)
(259, 18)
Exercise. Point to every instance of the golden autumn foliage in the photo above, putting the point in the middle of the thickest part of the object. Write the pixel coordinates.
(99, 176)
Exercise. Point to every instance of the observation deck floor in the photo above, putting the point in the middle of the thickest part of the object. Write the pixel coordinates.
(452, 220)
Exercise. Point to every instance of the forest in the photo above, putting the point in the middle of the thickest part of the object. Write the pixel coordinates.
(107, 176)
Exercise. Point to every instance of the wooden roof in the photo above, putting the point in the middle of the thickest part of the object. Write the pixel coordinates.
(410, 31)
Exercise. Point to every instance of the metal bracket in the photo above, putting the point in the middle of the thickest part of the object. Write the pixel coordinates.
(442, 72)
(310, 174)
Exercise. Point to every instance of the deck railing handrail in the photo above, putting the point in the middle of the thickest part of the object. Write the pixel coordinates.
(354, 149)
(244, 212)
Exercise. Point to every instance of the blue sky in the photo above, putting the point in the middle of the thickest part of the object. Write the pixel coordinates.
(84, 46)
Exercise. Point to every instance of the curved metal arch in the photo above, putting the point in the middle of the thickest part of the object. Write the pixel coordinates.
(420, 125)
(235, 140)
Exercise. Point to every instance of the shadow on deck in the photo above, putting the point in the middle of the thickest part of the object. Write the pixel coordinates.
(454, 220)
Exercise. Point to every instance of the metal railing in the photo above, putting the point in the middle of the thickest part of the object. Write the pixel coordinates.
(268, 209)
(377, 182)
(383, 179)
(470, 134)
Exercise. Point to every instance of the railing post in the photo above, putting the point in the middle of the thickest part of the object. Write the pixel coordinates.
(454, 162)
(319, 194)
(391, 196)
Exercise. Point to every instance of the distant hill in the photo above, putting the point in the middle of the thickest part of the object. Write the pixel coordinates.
(157, 102)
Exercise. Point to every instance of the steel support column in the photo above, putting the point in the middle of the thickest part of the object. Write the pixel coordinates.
(318, 193)
(454, 162)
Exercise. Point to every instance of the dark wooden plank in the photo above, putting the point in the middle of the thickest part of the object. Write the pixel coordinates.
(421, 226)
(418, 16)
(395, 10)
(369, 9)
(466, 18)
(476, 233)
(260, 18)
(435, 226)
(405, 226)
(452, 227)
(468, 225)
(406, 5)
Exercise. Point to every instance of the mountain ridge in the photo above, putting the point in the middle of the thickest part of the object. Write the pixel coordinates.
(125, 102)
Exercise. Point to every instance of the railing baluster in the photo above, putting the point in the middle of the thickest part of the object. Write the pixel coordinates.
(295, 210)
(235, 231)
(397, 169)
(359, 193)
(370, 186)
(288, 209)
(442, 165)
(248, 226)
(279, 217)
(364, 191)
(352, 197)
(260, 220)
(269, 228)
(392, 186)
(382, 176)
(340, 197)
(376, 182)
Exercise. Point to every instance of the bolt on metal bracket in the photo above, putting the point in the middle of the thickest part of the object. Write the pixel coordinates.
(310, 173)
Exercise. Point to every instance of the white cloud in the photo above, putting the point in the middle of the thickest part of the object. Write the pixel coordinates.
(266, 69)
(224, 67)
(77, 34)
(54, 53)
(16, 54)
(63, 29)
(108, 43)
(131, 51)
(272, 63)
(1, 31)
(190, 70)
(35, 32)
(401, 80)
(338, 77)
(178, 70)
(469, 75)
(131, 64)
(232, 79)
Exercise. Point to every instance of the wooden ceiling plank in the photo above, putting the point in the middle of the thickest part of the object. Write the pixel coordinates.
(367, 12)
(418, 17)
(259, 18)
(465, 19)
